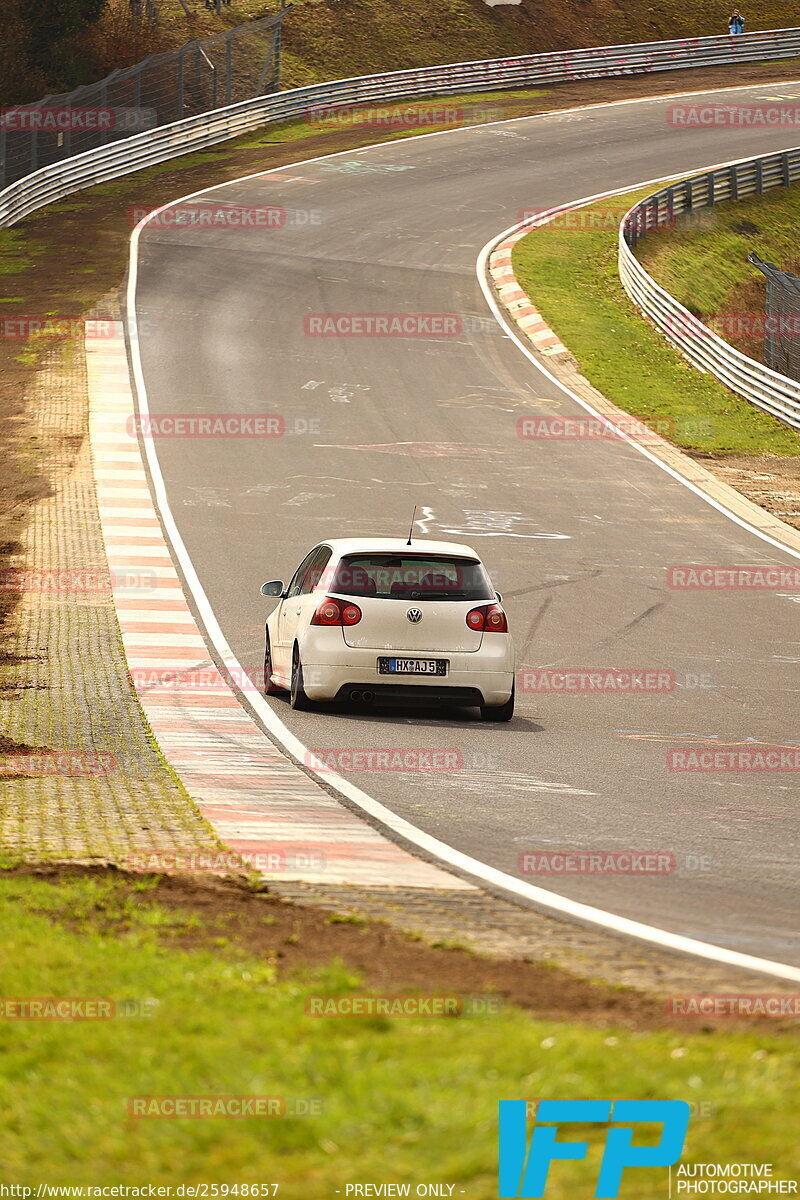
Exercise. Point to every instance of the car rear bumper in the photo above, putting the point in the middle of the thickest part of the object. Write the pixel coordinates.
(483, 676)
(388, 693)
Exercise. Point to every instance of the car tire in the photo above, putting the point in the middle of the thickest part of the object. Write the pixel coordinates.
(270, 688)
(499, 712)
(298, 698)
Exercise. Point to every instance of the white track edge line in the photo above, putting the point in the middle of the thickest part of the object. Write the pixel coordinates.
(295, 748)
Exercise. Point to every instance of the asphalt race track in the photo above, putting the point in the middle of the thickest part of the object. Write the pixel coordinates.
(578, 535)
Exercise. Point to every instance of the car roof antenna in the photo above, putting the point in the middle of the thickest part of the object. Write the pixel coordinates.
(411, 529)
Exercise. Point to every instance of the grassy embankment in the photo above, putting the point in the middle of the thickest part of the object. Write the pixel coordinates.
(402, 1100)
(569, 268)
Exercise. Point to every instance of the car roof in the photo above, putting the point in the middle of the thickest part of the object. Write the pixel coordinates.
(342, 546)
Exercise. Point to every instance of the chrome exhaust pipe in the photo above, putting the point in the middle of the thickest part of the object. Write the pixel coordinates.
(367, 697)
(355, 697)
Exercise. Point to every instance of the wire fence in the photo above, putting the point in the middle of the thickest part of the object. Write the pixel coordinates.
(205, 74)
(781, 319)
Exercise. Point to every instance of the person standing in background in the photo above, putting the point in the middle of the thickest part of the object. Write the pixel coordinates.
(736, 22)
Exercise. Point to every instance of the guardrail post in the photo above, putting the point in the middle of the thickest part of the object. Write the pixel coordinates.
(787, 173)
(276, 48)
(710, 189)
(759, 177)
(688, 201)
(734, 173)
(180, 83)
(104, 104)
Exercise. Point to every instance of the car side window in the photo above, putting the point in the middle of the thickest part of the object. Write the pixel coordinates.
(295, 586)
(314, 570)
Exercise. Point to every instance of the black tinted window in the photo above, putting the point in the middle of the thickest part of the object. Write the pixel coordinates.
(411, 577)
(315, 570)
(297, 579)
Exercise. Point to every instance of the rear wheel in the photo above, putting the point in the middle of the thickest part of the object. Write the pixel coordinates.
(270, 688)
(499, 712)
(298, 697)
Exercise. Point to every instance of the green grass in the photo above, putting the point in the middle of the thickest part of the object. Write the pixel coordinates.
(703, 262)
(569, 269)
(17, 252)
(402, 1100)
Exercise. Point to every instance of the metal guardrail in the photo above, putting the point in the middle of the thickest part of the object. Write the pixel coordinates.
(760, 385)
(101, 164)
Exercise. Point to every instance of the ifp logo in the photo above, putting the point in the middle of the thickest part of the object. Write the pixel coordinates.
(524, 1169)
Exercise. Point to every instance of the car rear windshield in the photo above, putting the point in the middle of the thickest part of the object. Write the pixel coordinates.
(411, 577)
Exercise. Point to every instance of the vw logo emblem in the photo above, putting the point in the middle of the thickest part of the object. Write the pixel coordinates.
(414, 615)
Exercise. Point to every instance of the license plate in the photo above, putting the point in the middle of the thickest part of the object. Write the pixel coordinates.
(412, 666)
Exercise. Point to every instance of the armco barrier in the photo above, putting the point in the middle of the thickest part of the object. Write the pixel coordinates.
(706, 350)
(196, 133)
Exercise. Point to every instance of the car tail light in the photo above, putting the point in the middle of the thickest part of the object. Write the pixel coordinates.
(336, 612)
(489, 617)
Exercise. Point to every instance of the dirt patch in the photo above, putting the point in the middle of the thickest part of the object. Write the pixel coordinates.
(236, 919)
(330, 39)
(766, 479)
(9, 746)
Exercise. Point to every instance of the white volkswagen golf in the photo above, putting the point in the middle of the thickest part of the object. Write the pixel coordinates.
(380, 621)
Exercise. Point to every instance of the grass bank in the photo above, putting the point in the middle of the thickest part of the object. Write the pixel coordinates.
(569, 268)
(704, 263)
(401, 1100)
(328, 39)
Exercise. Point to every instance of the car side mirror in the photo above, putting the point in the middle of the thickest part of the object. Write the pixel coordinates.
(499, 598)
(273, 588)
